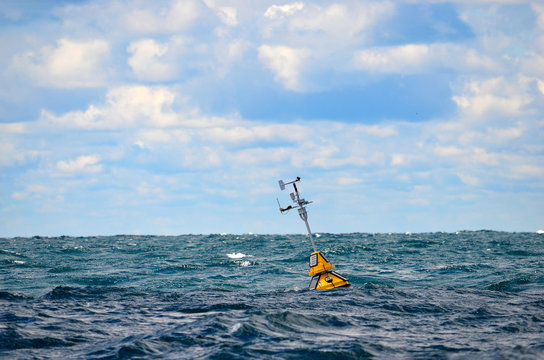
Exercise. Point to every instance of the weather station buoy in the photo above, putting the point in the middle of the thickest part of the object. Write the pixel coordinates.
(321, 269)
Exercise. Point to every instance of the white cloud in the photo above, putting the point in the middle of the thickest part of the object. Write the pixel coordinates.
(448, 151)
(261, 156)
(399, 59)
(469, 179)
(528, 171)
(482, 156)
(377, 130)
(211, 143)
(418, 202)
(148, 137)
(504, 135)
(541, 86)
(9, 154)
(146, 60)
(70, 64)
(33, 191)
(323, 35)
(12, 128)
(344, 22)
(140, 144)
(287, 64)
(83, 164)
(236, 49)
(495, 97)
(275, 11)
(18, 195)
(533, 63)
(181, 15)
(13, 151)
(348, 180)
(539, 10)
(253, 133)
(470, 2)
(398, 159)
(126, 107)
(228, 15)
(229, 53)
(422, 58)
(145, 189)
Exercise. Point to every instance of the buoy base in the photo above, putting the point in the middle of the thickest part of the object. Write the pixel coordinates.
(323, 276)
(328, 280)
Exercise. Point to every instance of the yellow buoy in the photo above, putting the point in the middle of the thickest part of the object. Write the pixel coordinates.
(320, 268)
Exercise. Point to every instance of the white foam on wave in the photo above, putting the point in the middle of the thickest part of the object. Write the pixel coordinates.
(9, 252)
(235, 327)
(236, 255)
(540, 231)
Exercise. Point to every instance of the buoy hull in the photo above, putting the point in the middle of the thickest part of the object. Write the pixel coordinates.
(322, 275)
(328, 280)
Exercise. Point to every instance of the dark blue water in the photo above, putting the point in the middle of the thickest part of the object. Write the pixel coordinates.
(434, 295)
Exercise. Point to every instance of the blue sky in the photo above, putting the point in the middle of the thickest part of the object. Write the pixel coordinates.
(177, 117)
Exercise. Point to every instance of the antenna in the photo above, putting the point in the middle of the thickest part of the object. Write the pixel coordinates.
(300, 204)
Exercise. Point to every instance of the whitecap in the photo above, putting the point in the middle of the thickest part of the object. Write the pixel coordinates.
(245, 263)
(235, 327)
(236, 255)
(540, 231)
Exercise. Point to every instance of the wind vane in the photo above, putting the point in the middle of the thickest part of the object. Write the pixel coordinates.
(320, 268)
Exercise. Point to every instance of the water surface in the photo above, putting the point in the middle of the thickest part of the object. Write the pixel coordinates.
(433, 295)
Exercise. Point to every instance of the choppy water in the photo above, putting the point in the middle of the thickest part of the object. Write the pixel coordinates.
(436, 295)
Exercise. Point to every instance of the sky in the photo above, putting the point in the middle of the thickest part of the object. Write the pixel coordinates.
(180, 117)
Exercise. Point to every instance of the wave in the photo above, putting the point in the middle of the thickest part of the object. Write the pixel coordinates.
(516, 284)
(6, 295)
(63, 292)
(375, 319)
(12, 339)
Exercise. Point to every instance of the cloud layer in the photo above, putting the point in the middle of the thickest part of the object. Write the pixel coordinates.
(191, 111)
